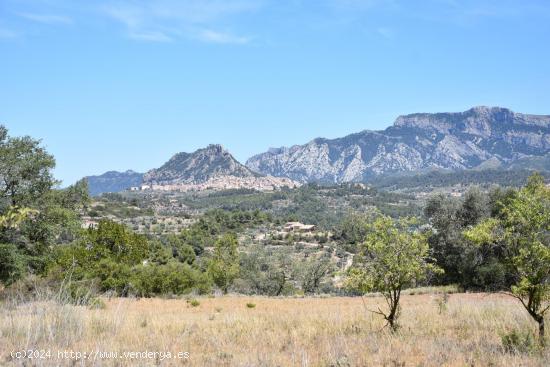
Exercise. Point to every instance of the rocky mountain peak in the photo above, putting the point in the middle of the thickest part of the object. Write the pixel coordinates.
(198, 167)
(216, 149)
(458, 140)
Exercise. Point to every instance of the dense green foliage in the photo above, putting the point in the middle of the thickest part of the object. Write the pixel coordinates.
(35, 215)
(266, 272)
(523, 228)
(474, 268)
(128, 263)
(433, 179)
(224, 265)
(25, 169)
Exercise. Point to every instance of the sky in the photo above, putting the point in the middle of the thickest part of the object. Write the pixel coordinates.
(125, 84)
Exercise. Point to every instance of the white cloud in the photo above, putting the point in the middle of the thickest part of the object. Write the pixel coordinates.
(209, 35)
(46, 18)
(165, 20)
(130, 16)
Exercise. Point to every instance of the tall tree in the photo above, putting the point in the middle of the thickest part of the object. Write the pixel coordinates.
(315, 270)
(25, 169)
(480, 268)
(524, 228)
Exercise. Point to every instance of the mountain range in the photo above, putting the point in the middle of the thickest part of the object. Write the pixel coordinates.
(481, 137)
(465, 140)
(212, 167)
(113, 181)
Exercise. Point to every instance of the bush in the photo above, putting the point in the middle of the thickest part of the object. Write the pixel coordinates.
(113, 276)
(251, 305)
(518, 342)
(12, 264)
(194, 303)
(173, 278)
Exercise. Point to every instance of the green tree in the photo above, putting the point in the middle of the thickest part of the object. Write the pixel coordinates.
(108, 241)
(393, 257)
(479, 268)
(224, 265)
(25, 169)
(265, 272)
(313, 273)
(352, 231)
(180, 250)
(114, 240)
(12, 262)
(159, 253)
(26, 187)
(523, 227)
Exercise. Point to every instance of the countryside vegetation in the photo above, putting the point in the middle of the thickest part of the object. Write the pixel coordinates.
(386, 277)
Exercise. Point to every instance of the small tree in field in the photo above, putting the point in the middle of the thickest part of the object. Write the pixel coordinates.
(224, 266)
(523, 226)
(392, 258)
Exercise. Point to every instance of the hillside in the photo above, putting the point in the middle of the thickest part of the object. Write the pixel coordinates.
(198, 167)
(453, 141)
(113, 181)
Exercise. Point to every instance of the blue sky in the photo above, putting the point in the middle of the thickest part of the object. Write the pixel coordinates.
(115, 85)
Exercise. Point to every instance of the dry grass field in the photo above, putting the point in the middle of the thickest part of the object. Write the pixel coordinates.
(225, 331)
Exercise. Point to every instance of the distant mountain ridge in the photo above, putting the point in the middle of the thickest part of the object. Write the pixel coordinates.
(113, 181)
(420, 141)
(210, 168)
(479, 138)
(198, 167)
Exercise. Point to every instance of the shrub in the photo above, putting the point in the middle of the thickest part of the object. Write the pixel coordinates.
(251, 305)
(173, 278)
(194, 303)
(518, 342)
(12, 264)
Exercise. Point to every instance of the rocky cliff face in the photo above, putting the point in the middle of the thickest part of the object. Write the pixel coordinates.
(414, 142)
(198, 167)
(113, 181)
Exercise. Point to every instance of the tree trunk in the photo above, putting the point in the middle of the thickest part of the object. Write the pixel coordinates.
(391, 322)
(541, 331)
(392, 317)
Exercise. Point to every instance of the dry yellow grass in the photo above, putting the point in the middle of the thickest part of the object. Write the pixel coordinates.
(277, 332)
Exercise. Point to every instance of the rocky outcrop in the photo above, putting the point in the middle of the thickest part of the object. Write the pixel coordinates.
(211, 168)
(418, 141)
(198, 167)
